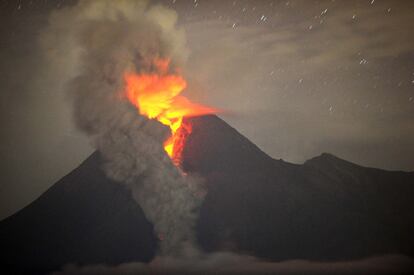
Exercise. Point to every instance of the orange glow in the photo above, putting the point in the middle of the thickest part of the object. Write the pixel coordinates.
(157, 96)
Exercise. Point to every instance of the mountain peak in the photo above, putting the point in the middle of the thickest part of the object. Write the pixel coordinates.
(327, 158)
(216, 146)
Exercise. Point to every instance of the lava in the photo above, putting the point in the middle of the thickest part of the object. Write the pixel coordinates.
(157, 95)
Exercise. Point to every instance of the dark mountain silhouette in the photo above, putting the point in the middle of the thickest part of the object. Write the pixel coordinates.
(325, 209)
(83, 218)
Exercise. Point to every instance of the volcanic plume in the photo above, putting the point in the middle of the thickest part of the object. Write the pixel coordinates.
(157, 96)
(142, 69)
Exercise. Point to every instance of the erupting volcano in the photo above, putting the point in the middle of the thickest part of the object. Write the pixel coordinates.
(157, 95)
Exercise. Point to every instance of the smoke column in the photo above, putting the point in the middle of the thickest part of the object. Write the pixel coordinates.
(103, 40)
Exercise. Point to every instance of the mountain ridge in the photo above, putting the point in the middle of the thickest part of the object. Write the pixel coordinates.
(328, 157)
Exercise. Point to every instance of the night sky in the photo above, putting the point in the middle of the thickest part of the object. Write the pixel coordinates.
(298, 78)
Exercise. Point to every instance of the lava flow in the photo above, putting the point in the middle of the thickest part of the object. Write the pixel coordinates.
(157, 95)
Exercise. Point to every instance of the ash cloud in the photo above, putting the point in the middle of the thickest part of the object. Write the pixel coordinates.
(103, 40)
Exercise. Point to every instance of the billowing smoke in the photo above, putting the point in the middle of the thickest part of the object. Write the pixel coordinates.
(105, 39)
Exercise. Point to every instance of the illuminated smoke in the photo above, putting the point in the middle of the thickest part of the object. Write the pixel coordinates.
(157, 95)
(103, 40)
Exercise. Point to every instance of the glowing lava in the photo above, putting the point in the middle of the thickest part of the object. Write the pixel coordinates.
(157, 96)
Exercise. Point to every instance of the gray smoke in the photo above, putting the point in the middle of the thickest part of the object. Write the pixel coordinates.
(103, 40)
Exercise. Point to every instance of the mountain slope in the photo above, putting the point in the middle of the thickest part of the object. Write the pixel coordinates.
(83, 218)
(325, 209)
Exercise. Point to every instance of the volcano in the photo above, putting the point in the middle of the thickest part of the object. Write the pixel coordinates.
(325, 209)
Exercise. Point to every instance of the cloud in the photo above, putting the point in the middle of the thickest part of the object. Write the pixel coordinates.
(315, 73)
(228, 263)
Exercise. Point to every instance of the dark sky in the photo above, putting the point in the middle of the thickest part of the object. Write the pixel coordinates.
(296, 77)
